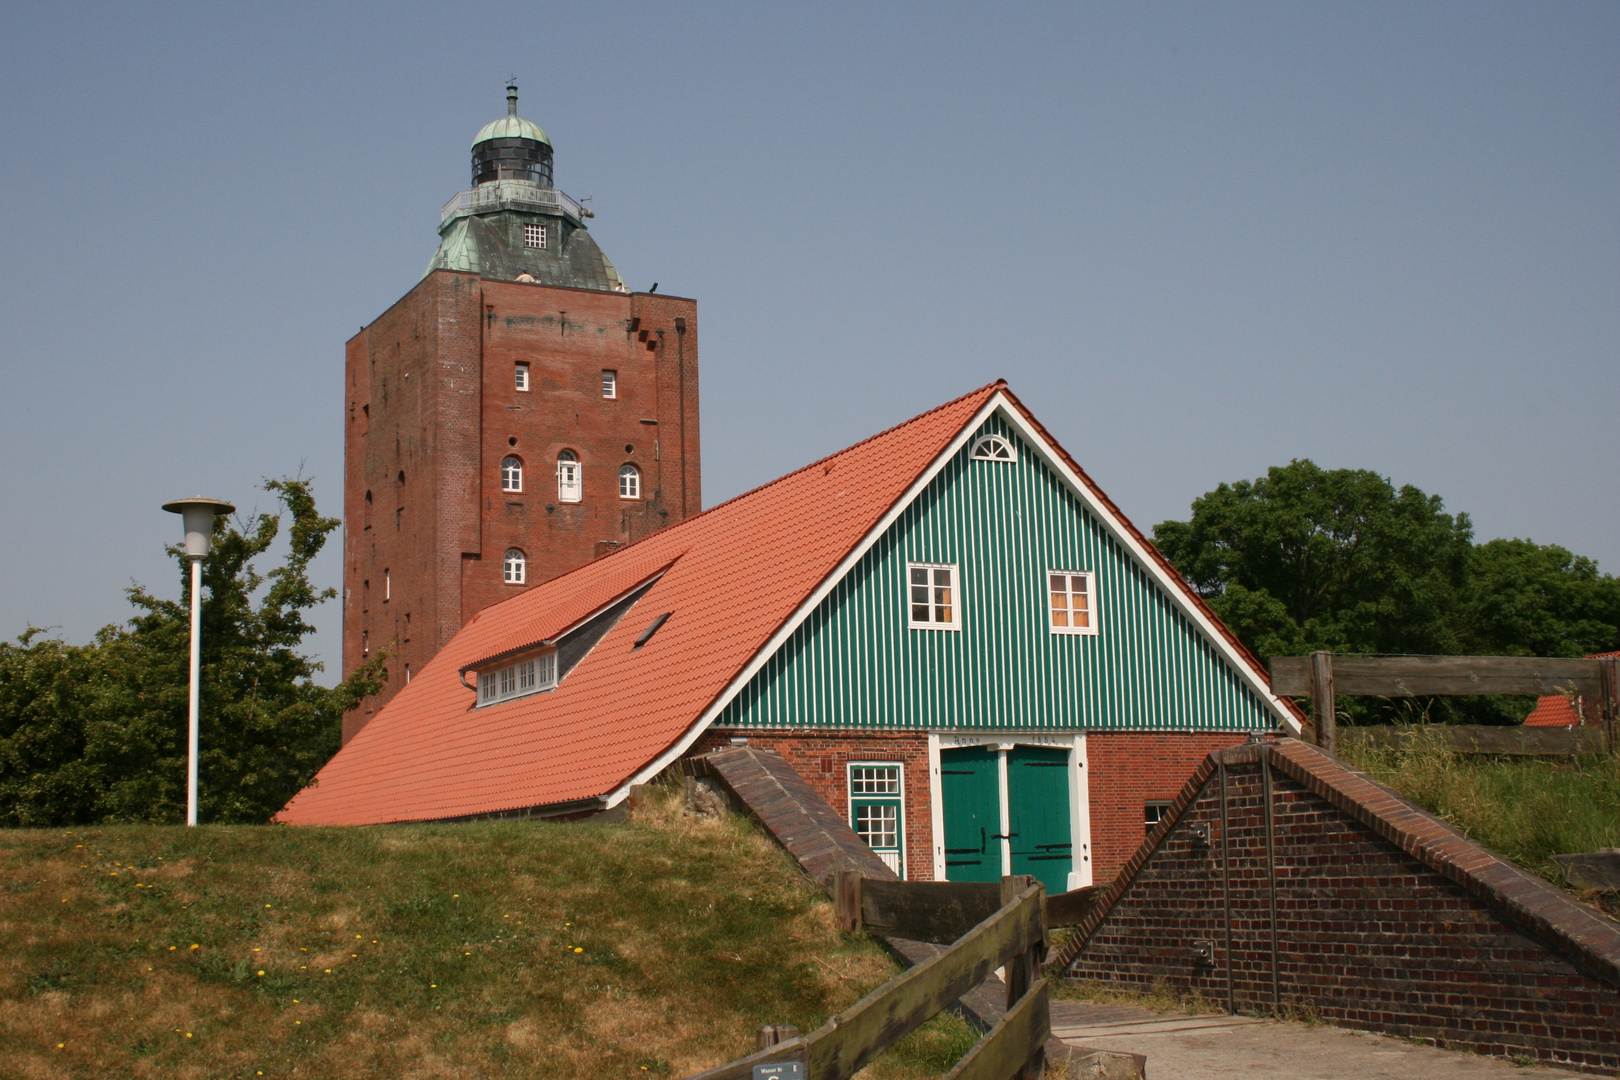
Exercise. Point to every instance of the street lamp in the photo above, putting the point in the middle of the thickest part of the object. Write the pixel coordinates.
(198, 515)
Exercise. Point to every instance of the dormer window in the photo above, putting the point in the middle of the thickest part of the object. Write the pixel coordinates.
(528, 676)
(994, 448)
(534, 236)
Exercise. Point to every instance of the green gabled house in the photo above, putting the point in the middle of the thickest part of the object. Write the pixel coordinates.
(947, 629)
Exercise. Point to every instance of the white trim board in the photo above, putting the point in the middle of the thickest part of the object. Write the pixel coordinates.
(998, 404)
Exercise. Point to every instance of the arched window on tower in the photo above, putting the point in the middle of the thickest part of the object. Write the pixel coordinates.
(570, 484)
(514, 567)
(511, 474)
(629, 482)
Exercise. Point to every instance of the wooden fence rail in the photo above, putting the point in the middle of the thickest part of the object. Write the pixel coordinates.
(1011, 936)
(938, 912)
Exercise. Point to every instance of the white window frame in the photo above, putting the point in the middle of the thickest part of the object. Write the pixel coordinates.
(530, 675)
(982, 445)
(955, 586)
(532, 233)
(629, 472)
(610, 382)
(520, 373)
(514, 571)
(894, 859)
(1091, 601)
(512, 479)
(570, 477)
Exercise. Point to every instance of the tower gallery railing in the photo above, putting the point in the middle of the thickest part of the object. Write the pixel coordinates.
(511, 192)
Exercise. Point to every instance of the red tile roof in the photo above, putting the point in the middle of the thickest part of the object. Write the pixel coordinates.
(1556, 710)
(735, 574)
(733, 577)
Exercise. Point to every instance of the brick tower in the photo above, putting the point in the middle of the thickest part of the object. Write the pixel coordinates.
(517, 414)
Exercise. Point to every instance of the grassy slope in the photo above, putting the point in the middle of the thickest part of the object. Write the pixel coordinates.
(487, 950)
(1528, 809)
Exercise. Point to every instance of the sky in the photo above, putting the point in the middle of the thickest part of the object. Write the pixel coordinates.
(1199, 241)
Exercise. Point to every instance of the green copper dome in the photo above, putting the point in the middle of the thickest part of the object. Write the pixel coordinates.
(510, 126)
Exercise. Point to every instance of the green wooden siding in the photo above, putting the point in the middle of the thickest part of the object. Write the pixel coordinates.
(854, 663)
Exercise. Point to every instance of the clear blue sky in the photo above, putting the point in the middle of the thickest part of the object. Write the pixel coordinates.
(1198, 240)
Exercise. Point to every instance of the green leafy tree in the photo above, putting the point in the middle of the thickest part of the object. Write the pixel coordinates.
(1306, 558)
(97, 732)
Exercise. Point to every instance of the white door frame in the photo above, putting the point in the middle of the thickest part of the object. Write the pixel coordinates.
(1003, 741)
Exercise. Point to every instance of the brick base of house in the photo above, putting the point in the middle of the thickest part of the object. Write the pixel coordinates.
(1127, 770)
(1283, 877)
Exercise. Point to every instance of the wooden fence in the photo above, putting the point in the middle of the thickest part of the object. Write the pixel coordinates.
(1011, 935)
(1321, 675)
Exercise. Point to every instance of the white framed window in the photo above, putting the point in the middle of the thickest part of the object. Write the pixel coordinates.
(1153, 812)
(933, 596)
(1071, 601)
(994, 448)
(629, 482)
(570, 485)
(877, 810)
(514, 567)
(610, 383)
(534, 236)
(528, 676)
(511, 474)
(521, 373)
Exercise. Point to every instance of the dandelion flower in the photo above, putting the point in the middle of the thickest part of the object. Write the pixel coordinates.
(267, 905)
(171, 948)
(196, 946)
(357, 937)
(354, 956)
(329, 971)
(255, 950)
(298, 1021)
(466, 954)
(261, 974)
(188, 1034)
(578, 949)
(433, 986)
(60, 1045)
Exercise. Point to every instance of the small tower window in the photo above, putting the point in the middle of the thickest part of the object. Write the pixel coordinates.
(570, 487)
(534, 236)
(522, 377)
(511, 474)
(994, 448)
(629, 482)
(514, 567)
(610, 383)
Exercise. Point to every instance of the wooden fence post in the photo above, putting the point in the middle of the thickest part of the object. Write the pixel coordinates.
(769, 1035)
(1327, 717)
(847, 898)
(1607, 693)
(1024, 969)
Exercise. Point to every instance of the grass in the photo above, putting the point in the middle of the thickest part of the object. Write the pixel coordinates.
(1528, 809)
(1163, 998)
(651, 948)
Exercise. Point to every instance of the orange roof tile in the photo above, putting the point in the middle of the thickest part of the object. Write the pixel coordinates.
(735, 574)
(1556, 710)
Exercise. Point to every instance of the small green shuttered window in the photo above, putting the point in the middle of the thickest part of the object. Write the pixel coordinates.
(877, 812)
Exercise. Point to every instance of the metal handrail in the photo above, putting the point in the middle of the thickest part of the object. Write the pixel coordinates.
(500, 192)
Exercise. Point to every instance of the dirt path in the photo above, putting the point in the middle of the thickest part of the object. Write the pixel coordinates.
(1182, 1047)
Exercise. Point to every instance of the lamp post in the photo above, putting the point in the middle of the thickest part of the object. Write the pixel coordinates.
(198, 515)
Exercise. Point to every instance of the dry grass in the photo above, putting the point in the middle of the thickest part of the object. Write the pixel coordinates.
(1163, 998)
(652, 948)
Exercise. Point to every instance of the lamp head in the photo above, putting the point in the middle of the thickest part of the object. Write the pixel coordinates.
(198, 514)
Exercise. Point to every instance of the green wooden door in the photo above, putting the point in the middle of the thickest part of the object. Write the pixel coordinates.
(970, 790)
(1038, 809)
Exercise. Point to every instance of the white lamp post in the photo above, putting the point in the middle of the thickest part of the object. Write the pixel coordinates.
(198, 514)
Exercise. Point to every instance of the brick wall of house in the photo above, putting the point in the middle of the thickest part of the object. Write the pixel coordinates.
(1455, 947)
(822, 758)
(431, 395)
(1128, 770)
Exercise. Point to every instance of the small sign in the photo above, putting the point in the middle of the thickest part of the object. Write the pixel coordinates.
(785, 1070)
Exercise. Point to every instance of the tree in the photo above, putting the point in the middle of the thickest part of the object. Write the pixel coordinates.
(97, 733)
(1305, 558)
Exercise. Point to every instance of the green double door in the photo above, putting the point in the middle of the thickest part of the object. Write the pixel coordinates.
(1037, 836)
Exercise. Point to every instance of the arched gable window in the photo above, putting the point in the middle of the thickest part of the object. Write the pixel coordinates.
(994, 448)
(511, 474)
(514, 567)
(629, 482)
(570, 483)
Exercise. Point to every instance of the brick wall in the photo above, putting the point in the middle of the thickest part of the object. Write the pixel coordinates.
(431, 394)
(1129, 769)
(1385, 918)
(822, 760)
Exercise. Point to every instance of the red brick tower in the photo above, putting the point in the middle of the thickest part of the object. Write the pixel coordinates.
(515, 415)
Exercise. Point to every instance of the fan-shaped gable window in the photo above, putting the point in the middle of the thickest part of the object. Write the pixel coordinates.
(570, 485)
(514, 567)
(511, 474)
(629, 482)
(994, 448)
